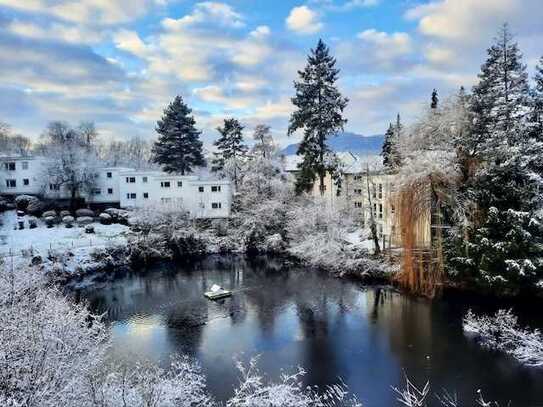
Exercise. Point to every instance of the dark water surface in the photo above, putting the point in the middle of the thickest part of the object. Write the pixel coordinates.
(370, 337)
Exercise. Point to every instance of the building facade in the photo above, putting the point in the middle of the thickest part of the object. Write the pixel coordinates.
(369, 188)
(119, 186)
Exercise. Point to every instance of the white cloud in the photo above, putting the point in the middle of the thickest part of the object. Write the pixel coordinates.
(387, 46)
(56, 31)
(89, 12)
(303, 20)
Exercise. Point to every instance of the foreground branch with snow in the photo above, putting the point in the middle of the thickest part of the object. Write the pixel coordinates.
(502, 332)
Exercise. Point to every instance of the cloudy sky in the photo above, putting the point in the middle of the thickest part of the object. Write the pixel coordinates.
(119, 62)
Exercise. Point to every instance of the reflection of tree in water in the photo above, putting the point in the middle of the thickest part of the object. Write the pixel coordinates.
(321, 305)
(185, 324)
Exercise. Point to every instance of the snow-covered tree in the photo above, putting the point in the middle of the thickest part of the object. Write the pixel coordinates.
(319, 112)
(435, 100)
(134, 152)
(230, 149)
(499, 240)
(178, 148)
(11, 143)
(264, 145)
(72, 162)
(537, 101)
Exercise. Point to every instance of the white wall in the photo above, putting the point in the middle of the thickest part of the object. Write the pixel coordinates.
(31, 171)
(144, 188)
(107, 185)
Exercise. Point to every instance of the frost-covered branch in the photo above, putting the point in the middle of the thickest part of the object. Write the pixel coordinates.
(502, 332)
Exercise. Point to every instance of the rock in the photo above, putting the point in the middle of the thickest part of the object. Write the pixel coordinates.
(84, 213)
(65, 213)
(36, 260)
(89, 229)
(32, 223)
(47, 214)
(105, 219)
(28, 203)
(84, 220)
(50, 221)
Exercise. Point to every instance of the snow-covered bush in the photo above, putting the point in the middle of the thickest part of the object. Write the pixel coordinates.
(84, 220)
(317, 234)
(253, 391)
(502, 332)
(28, 203)
(84, 212)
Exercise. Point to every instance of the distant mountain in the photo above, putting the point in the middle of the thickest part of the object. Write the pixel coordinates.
(346, 141)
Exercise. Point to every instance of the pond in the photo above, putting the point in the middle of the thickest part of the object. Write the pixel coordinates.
(370, 337)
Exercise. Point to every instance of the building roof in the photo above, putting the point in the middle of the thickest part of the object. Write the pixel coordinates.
(351, 163)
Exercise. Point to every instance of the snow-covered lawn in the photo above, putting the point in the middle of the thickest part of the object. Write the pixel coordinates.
(58, 238)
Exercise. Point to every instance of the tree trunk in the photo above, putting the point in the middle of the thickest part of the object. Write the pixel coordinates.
(373, 224)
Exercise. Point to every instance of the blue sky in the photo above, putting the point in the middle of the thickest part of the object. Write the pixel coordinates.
(119, 62)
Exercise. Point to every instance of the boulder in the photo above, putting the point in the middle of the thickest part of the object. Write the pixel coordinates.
(84, 220)
(105, 219)
(65, 213)
(89, 229)
(32, 223)
(50, 221)
(47, 214)
(29, 203)
(84, 213)
(68, 221)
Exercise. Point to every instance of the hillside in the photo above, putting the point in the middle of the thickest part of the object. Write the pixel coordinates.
(346, 141)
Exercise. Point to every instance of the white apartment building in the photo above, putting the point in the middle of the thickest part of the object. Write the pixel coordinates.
(360, 173)
(22, 175)
(123, 187)
(203, 199)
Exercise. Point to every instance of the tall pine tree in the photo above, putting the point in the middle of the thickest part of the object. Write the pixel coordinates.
(537, 101)
(178, 148)
(501, 242)
(319, 112)
(230, 148)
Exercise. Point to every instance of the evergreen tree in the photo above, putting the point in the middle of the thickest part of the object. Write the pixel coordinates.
(264, 145)
(230, 148)
(500, 99)
(500, 243)
(319, 112)
(178, 148)
(435, 100)
(388, 147)
(537, 101)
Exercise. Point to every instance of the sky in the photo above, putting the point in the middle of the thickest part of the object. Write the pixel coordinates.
(120, 62)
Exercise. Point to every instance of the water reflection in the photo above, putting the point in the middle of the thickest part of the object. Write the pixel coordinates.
(333, 328)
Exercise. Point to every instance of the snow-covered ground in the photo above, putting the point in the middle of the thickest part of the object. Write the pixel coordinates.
(13, 241)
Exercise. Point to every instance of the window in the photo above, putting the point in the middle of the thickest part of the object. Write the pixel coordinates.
(130, 180)
(26, 181)
(216, 205)
(25, 165)
(54, 187)
(11, 183)
(374, 209)
(179, 184)
(96, 191)
(380, 191)
(131, 196)
(109, 174)
(358, 204)
(358, 191)
(144, 179)
(165, 200)
(200, 189)
(165, 184)
(110, 191)
(216, 188)
(380, 211)
(392, 209)
(373, 192)
(9, 166)
(146, 195)
(358, 177)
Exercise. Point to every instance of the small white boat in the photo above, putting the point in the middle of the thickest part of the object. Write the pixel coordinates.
(217, 292)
